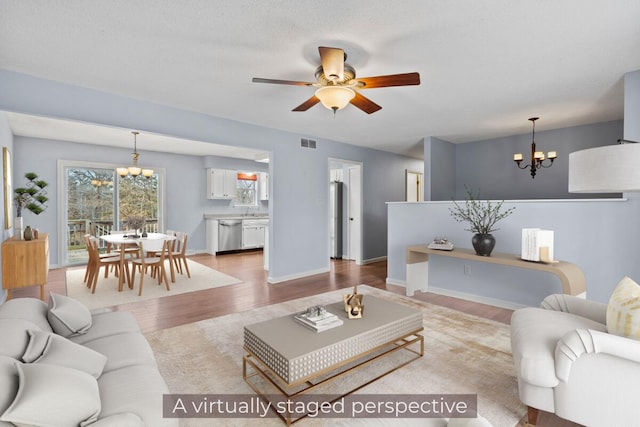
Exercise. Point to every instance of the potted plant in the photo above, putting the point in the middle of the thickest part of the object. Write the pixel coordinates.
(482, 217)
(32, 197)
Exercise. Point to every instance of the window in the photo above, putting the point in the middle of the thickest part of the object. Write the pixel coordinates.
(246, 189)
(96, 200)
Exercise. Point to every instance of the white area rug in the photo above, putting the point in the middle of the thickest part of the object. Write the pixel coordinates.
(107, 294)
(463, 354)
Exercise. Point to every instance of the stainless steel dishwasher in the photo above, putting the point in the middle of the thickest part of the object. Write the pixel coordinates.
(229, 235)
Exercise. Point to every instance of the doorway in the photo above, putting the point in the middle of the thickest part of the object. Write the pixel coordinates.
(414, 185)
(347, 229)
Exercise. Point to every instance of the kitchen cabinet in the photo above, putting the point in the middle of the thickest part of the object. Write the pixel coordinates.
(221, 183)
(25, 263)
(253, 232)
(263, 186)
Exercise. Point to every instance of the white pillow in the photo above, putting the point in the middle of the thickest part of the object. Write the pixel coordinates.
(67, 316)
(623, 311)
(45, 347)
(50, 395)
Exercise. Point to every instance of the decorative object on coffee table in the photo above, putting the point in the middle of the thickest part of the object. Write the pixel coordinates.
(482, 217)
(353, 304)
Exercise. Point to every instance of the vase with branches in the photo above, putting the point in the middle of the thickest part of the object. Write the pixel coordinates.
(482, 217)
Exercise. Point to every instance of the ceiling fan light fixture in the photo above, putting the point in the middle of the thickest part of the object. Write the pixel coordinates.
(335, 97)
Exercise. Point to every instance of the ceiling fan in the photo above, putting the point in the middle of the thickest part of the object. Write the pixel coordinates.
(337, 83)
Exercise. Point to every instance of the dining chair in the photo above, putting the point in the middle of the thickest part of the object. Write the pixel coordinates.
(148, 260)
(96, 262)
(179, 253)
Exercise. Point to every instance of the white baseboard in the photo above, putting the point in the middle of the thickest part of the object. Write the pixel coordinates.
(463, 295)
(510, 305)
(372, 260)
(396, 282)
(297, 275)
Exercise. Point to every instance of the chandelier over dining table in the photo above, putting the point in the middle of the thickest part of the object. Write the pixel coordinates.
(134, 170)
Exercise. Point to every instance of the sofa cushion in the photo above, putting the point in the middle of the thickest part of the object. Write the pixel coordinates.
(136, 389)
(107, 324)
(75, 400)
(67, 316)
(535, 332)
(14, 337)
(623, 311)
(127, 419)
(123, 350)
(45, 347)
(9, 381)
(30, 309)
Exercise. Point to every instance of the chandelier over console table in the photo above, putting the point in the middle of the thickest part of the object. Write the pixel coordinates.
(537, 157)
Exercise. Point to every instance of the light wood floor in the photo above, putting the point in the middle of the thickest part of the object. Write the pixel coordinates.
(256, 292)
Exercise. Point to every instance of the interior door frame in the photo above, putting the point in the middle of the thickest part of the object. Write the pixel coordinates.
(359, 230)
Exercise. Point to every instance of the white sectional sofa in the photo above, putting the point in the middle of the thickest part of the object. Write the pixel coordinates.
(63, 365)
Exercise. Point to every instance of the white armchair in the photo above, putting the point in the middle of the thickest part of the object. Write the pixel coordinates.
(567, 363)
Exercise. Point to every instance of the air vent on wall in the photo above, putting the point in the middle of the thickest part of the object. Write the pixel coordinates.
(307, 143)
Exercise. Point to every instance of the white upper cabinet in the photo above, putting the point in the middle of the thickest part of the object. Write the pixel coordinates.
(263, 185)
(221, 183)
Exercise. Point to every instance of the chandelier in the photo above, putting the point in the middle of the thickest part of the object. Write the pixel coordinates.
(537, 157)
(134, 170)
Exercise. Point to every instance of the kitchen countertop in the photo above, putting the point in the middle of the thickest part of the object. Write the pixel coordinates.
(235, 216)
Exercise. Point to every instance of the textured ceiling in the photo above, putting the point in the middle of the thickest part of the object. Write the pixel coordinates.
(486, 66)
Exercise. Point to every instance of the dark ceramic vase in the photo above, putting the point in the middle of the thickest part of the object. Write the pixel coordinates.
(483, 243)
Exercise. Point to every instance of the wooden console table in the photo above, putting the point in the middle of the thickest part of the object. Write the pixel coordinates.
(570, 275)
(25, 263)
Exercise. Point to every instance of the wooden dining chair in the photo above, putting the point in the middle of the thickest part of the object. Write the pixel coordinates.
(152, 256)
(179, 253)
(96, 262)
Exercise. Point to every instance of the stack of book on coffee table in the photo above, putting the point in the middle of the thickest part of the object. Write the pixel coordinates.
(319, 322)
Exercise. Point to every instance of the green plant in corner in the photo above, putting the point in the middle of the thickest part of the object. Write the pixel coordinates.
(33, 197)
(482, 216)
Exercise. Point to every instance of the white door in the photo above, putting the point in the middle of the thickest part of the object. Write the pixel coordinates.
(415, 186)
(354, 210)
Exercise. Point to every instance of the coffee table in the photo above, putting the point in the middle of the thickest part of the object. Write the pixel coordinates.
(296, 360)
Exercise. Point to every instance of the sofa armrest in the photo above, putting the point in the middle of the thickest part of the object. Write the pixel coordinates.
(593, 310)
(587, 341)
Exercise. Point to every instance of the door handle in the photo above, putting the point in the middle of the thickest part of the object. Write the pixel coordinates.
(350, 219)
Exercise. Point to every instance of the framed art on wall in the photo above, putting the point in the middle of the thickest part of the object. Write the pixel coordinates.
(8, 188)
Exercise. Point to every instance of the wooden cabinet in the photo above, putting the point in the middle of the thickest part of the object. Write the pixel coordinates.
(221, 183)
(25, 263)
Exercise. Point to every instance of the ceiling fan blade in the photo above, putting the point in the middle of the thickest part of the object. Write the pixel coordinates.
(406, 79)
(307, 104)
(281, 82)
(332, 59)
(365, 104)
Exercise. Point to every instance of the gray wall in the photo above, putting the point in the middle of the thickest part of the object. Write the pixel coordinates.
(487, 166)
(632, 106)
(6, 140)
(299, 177)
(441, 156)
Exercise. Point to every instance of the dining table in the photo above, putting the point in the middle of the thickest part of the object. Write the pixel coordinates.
(120, 240)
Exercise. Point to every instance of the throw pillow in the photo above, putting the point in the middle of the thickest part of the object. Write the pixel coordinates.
(50, 395)
(623, 311)
(45, 347)
(13, 336)
(67, 316)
